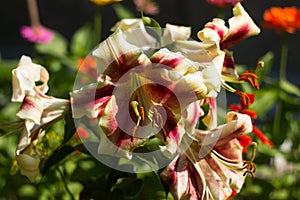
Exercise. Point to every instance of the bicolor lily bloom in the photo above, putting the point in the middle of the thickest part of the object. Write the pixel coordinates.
(241, 26)
(38, 111)
(144, 92)
(211, 166)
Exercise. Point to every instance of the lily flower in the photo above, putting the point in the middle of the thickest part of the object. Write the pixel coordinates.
(38, 111)
(211, 166)
(144, 93)
(241, 26)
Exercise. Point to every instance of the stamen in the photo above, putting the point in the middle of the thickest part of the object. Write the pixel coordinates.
(259, 65)
(158, 121)
(245, 99)
(164, 134)
(250, 166)
(134, 105)
(133, 133)
(251, 78)
(142, 113)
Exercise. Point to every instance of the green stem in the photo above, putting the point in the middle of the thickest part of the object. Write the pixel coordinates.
(65, 183)
(220, 13)
(283, 57)
(97, 26)
(282, 77)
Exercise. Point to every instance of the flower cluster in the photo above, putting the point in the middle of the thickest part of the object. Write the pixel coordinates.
(151, 83)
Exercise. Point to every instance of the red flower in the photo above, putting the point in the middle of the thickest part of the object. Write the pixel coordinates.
(245, 141)
(261, 136)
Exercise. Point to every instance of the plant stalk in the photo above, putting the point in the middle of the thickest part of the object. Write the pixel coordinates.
(282, 77)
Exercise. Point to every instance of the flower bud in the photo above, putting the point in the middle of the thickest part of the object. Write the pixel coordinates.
(29, 166)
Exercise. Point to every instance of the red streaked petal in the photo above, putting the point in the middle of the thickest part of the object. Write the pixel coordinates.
(91, 100)
(241, 26)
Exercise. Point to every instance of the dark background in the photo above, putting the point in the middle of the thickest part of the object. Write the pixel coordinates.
(65, 16)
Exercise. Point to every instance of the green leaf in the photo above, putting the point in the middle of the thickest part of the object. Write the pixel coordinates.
(57, 47)
(121, 11)
(264, 100)
(57, 156)
(205, 108)
(81, 43)
(70, 128)
(150, 22)
(289, 87)
(268, 62)
(130, 186)
(201, 125)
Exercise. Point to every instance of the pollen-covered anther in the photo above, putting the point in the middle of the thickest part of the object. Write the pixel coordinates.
(245, 100)
(142, 113)
(251, 78)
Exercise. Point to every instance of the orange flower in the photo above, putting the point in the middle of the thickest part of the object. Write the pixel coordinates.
(285, 19)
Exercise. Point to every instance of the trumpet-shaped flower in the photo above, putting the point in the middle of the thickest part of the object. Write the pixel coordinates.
(241, 26)
(140, 87)
(212, 166)
(38, 110)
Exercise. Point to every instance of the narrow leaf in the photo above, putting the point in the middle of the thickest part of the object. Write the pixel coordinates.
(70, 128)
(121, 11)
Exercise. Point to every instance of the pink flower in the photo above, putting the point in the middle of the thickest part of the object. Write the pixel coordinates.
(37, 34)
(223, 3)
(147, 6)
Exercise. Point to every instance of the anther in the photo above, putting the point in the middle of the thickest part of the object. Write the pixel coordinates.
(142, 113)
